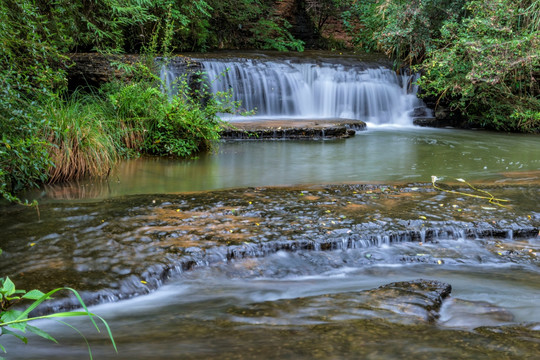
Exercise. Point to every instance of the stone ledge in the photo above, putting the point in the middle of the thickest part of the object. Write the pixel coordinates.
(291, 129)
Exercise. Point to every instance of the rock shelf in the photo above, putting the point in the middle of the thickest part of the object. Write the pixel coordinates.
(292, 129)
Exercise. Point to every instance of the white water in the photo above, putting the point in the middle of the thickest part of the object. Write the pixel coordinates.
(287, 90)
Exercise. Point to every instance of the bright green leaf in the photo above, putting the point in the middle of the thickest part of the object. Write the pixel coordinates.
(8, 287)
(33, 295)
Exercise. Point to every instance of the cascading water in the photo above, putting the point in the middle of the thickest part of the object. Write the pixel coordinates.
(286, 89)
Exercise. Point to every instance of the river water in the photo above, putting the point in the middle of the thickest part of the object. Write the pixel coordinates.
(378, 155)
(271, 249)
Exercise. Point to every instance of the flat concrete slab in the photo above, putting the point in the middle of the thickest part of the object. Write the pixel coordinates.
(283, 129)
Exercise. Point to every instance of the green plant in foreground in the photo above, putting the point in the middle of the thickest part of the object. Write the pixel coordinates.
(16, 322)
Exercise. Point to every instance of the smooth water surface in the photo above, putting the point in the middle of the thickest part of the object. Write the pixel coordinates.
(378, 155)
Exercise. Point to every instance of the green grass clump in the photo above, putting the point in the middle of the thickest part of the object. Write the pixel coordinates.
(81, 143)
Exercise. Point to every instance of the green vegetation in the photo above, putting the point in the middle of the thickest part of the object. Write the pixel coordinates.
(488, 64)
(16, 322)
(478, 57)
(49, 134)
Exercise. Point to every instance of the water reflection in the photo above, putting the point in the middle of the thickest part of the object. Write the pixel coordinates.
(379, 155)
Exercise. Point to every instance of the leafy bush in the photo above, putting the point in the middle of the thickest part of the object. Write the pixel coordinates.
(81, 143)
(271, 36)
(485, 65)
(23, 163)
(361, 21)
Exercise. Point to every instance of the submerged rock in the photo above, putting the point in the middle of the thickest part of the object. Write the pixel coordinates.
(408, 302)
(418, 298)
(459, 313)
(129, 246)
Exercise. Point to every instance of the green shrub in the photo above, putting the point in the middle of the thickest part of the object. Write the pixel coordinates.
(23, 163)
(267, 34)
(485, 64)
(80, 141)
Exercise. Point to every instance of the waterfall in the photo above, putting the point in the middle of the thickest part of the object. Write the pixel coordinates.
(285, 89)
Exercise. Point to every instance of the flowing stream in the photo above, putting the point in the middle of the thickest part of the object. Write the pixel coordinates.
(282, 249)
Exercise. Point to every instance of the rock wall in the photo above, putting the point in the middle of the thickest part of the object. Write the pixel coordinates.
(93, 69)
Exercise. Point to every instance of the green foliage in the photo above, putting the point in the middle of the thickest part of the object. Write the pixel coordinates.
(31, 71)
(321, 10)
(361, 21)
(479, 56)
(16, 322)
(250, 23)
(487, 65)
(50, 135)
(411, 27)
(23, 163)
(403, 30)
(267, 34)
(81, 141)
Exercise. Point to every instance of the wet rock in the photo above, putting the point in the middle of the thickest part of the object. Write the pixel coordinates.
(418, 298)
(292, 129)
(427, 122)
(410, 302)
(420, 111)
(93, 69)
(108, 247)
